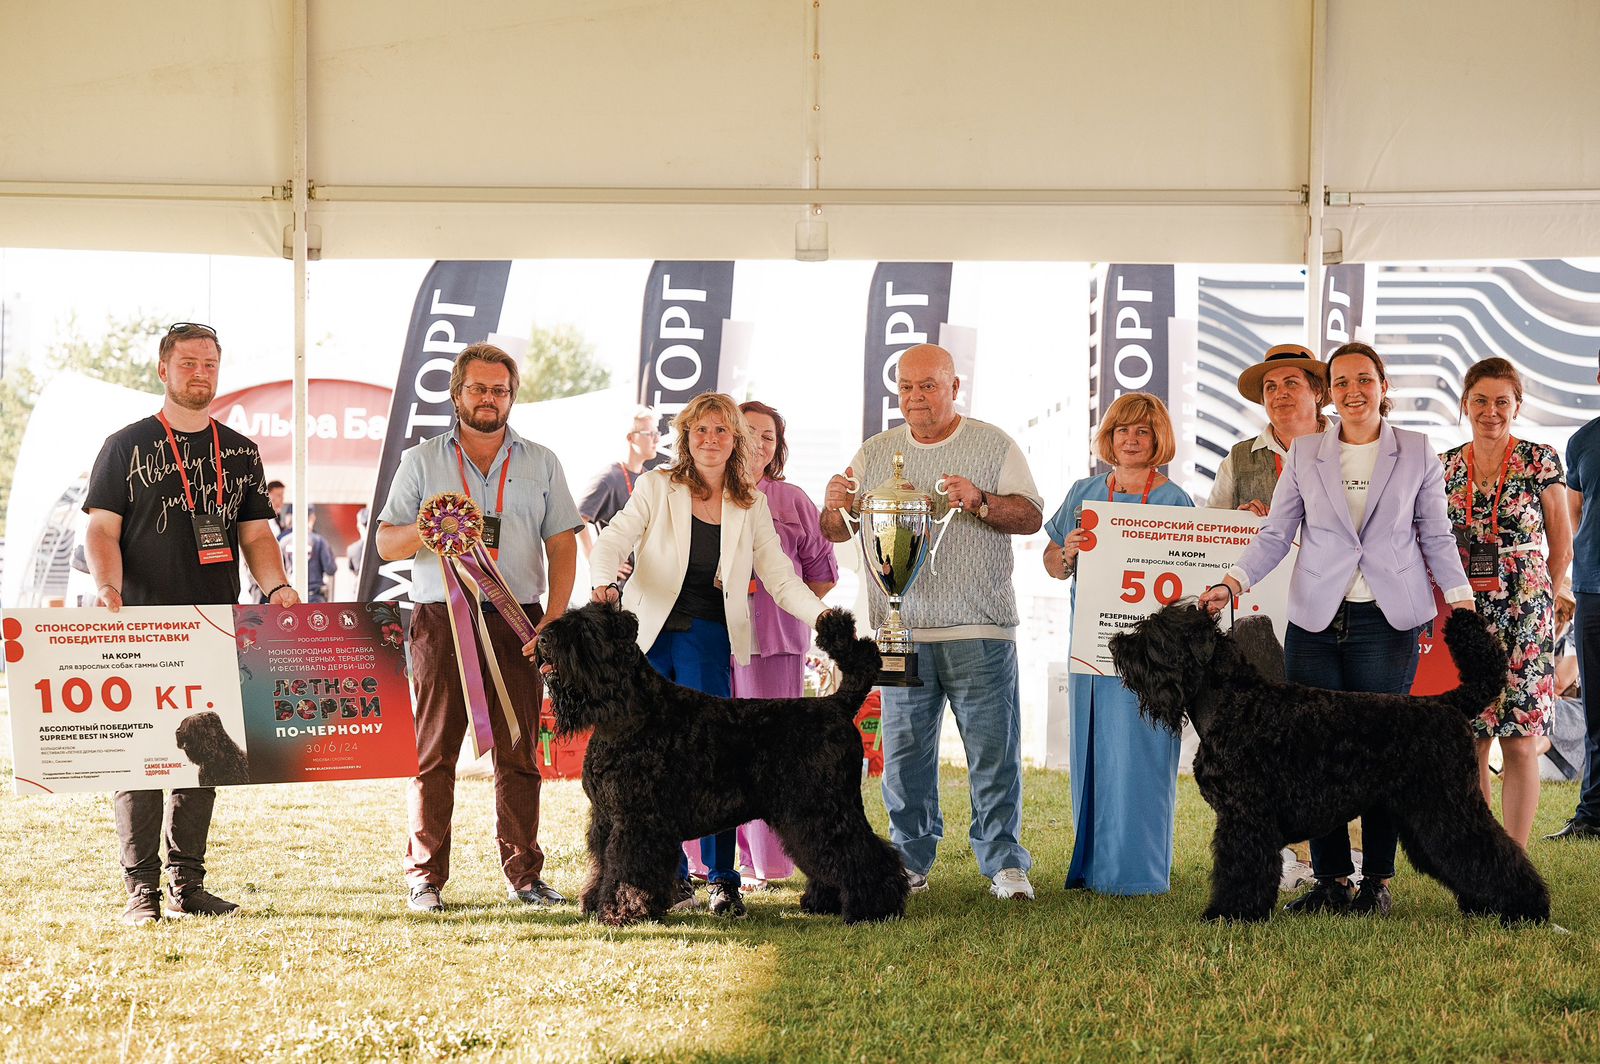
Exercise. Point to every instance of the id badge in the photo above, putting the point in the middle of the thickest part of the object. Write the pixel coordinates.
(491, 531)
(1483, 566)
(211, 537)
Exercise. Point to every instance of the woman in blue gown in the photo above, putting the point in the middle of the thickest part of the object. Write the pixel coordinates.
(1124, 770)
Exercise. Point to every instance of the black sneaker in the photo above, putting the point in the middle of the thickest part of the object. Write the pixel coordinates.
(725, 900)
(1372, 899)
(1325, 896)
(1576, 829)
(144, 906)
(683, 898)
(198, 901)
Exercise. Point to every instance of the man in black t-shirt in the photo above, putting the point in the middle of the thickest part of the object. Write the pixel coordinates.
(611, 489)
(165, 532)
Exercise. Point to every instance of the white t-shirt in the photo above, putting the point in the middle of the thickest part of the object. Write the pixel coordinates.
(1356, 461)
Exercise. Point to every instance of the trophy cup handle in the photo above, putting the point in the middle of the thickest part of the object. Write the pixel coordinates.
(851, 522)
(945, 522)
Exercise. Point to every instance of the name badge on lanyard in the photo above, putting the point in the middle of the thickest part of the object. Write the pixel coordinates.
(491, 521)
(1481, 558)
(1483, 566)
(210, 530)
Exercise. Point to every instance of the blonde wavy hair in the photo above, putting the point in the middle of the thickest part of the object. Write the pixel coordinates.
(737, 483)
(1137, 408)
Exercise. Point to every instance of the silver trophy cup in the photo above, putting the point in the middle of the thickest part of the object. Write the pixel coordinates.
(896, 533)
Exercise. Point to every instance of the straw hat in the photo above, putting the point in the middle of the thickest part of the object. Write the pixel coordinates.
(1277, 358)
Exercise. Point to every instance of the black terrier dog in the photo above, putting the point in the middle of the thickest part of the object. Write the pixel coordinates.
(666, 764)
(204, 740)
(1280, 762)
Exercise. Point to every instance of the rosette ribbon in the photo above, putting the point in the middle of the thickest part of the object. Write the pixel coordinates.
(451, 525)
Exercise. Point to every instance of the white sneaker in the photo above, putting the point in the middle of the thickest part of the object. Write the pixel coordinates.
(916, 881)
(1012, 884)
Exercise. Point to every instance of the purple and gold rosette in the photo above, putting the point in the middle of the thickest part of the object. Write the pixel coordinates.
(451, 525)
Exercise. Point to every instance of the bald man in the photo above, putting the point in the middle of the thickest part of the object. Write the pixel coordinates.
(963, 622)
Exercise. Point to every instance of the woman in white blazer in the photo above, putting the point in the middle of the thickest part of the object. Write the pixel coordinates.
(699, 531)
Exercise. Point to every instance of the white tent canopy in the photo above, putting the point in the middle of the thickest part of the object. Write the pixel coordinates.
(1058, 129)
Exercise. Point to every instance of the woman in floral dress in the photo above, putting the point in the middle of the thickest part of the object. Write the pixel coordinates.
(1507, 499)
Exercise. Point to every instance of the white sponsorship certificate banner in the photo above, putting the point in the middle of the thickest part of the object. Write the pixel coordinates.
(1140, 558)
(97, 697)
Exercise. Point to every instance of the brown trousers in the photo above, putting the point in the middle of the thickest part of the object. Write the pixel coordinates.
(441, 715)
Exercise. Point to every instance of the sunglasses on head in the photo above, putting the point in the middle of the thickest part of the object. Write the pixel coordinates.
(182, 329)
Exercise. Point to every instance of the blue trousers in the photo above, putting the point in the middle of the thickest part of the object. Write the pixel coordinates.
(1587, 635)
(978, 678)
(1359, 651)
(702, 659)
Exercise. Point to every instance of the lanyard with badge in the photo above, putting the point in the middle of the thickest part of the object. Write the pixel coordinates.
(1482, 557)
(491, 522)
(1111, 495)
(210, 530)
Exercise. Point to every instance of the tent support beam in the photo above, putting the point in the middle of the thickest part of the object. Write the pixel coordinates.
(301, 395)
(1316, 155)
(891, 197)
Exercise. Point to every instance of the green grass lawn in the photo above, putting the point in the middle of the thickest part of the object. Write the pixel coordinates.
(325, 962)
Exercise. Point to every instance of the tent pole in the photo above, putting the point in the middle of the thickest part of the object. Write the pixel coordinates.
(299, 407)
(1315, 157)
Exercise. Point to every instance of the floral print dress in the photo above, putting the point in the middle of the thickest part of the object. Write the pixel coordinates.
(1522, 612)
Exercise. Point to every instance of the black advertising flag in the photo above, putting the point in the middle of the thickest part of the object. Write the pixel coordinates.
(906, 305)
(458, 304)
(1132, 320)
(1344, 293)
(680, 336)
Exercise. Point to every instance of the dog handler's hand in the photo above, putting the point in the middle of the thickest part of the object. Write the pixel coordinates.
(1217, 597)
(1470, 605)
(528, 648)
(606, 593)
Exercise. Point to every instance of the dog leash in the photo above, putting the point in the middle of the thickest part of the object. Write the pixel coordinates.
(1213, 587)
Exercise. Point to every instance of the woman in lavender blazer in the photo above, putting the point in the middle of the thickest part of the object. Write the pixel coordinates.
(1367, 503)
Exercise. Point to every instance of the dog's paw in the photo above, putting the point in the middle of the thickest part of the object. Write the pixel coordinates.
(629, 905)
(820, 900)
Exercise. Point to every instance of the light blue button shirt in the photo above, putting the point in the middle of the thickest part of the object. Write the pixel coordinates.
(538, 506)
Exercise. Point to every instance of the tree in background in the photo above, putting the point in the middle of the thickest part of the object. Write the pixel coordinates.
(17, 391)
(560, 362)
(124, 353)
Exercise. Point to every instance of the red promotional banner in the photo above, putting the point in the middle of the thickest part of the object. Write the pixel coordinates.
(325, 692)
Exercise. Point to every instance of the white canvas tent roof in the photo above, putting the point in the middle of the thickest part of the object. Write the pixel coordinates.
(1062, 129)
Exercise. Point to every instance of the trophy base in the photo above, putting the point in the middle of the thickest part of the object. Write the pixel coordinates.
(899, 670)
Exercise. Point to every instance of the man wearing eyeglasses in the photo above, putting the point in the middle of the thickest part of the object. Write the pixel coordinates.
(610, 491)
(164, 532)
(531, 524)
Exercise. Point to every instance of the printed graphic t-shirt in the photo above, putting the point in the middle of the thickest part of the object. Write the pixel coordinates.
(136, 477)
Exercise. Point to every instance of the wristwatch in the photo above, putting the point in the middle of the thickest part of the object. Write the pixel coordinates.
(983, 505)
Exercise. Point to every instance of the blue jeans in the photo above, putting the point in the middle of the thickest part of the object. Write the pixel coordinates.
(1359, 651)
(978, 678)
(702, 659)
(1586, 633)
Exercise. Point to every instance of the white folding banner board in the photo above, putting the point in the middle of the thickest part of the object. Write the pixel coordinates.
(1139, 558)
(97, 697)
